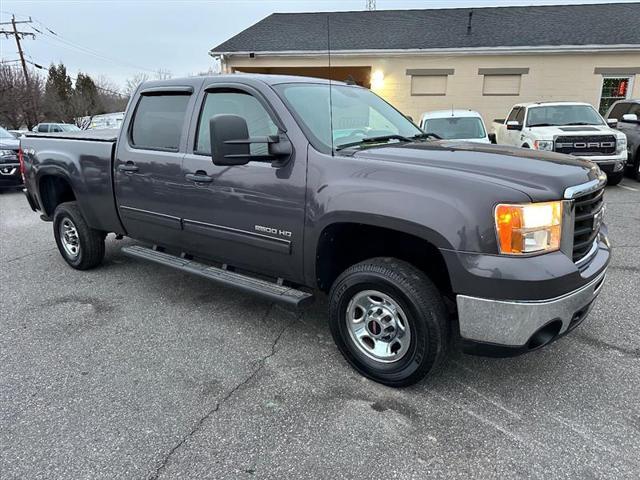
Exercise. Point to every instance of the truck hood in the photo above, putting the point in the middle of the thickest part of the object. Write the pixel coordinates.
(549, 133)
(9, 144)
(542, 176)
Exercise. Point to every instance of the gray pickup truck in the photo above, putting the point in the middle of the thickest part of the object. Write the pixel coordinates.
(289, 186)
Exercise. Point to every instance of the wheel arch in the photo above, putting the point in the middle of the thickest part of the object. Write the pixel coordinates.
(343, 243)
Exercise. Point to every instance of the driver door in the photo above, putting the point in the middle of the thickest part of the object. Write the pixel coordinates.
(249, 216)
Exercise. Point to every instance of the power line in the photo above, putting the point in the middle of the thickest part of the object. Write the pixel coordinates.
(45, 31)
(18, 35)
(58, 37)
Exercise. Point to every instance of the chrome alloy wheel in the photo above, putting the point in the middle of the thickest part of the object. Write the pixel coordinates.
(69, 237)
(378, 326)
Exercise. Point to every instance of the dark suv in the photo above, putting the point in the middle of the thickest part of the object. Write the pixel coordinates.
(627, 112)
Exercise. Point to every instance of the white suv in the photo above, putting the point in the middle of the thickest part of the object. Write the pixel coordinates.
(463, 125)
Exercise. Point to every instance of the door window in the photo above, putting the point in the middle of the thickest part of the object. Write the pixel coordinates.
(520, 116)
(259, 122)
(613, 89)
(158, 121)
(619, 110)
(513, 114)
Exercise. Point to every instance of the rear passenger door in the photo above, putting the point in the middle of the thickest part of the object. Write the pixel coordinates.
(148, 163)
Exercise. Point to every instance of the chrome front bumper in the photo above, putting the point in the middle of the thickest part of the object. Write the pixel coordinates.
(513, 323)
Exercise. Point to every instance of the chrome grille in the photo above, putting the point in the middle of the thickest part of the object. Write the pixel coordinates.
(588, 211)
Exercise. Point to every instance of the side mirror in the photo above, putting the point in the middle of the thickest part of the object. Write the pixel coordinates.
(612, 122)
(230, 143)
(409, 117)
(492, 138)
(513, 125)
(630, 118)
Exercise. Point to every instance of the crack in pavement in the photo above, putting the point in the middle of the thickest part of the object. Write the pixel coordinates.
(595, 342)
(14, 259)
(626, 268)
(198, 425)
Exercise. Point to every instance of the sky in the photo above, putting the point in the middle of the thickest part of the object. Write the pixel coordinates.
(121, 38)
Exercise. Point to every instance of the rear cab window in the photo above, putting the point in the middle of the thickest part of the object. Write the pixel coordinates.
(158, 121)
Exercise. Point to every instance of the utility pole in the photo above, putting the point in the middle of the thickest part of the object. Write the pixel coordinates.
(18, 35)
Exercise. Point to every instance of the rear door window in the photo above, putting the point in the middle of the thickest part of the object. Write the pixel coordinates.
(158, 122)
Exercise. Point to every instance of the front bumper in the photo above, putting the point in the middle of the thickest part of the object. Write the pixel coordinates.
(503, 328)
(10, 175)
(609, 164)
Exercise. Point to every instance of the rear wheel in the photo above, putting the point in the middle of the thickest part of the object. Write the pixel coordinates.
(388, 320)
(81, 246)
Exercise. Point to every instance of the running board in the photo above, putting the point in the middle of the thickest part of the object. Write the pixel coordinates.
(270, 290)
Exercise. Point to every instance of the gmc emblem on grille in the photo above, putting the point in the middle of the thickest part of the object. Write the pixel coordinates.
(584, 145)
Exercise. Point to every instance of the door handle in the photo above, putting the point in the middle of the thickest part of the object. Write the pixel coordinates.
(199, 177)
(128, 167)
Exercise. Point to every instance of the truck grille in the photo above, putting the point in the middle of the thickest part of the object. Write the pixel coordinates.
(591, 145)
(588, 218)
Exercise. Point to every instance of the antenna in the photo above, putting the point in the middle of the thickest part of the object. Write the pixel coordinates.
(330, 99)
(371, 5)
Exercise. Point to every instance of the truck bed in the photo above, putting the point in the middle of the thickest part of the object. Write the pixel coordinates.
(85, 161)
(97, 135)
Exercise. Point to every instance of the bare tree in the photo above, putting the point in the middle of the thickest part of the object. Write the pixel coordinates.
(20, 104)
(132, 83)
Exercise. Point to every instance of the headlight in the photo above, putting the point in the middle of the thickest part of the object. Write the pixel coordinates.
(622, 145)
(7, 152)
(543, 145)
(528, 228)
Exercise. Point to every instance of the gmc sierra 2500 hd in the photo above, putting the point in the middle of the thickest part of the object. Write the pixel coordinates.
(283, 186)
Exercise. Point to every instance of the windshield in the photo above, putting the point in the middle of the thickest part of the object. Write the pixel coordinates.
(67, 127)
(452, 128)
(358, 114)
(5, 134)
(558, 115)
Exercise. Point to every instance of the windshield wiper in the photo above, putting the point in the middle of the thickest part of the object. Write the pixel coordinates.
(542, 125)
(427, 135)
(580, 123)
(380, 139)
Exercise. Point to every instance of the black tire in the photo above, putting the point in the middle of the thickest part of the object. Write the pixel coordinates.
(423, 308)
(614, 178)
(90, 241)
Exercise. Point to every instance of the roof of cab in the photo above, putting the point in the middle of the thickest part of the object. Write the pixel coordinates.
(450, 113)
(269, 79)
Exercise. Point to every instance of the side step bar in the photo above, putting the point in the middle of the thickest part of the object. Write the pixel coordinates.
(271, 290)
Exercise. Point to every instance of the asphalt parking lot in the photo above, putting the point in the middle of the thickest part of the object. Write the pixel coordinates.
(133, 370)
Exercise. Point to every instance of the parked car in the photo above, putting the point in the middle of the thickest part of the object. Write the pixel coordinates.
(55, 128)
(464, 125)
(10, 177)
(17, 133)
(253, 181)
(107, 120)
(627, 114)
(566, 127)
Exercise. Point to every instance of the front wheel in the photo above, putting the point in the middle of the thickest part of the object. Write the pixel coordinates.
(81, 246)
(614, 178)
(388, 320)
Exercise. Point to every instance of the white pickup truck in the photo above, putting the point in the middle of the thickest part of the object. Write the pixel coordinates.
(566, 127)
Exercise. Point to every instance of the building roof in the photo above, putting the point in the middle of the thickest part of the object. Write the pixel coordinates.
(613, 24)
